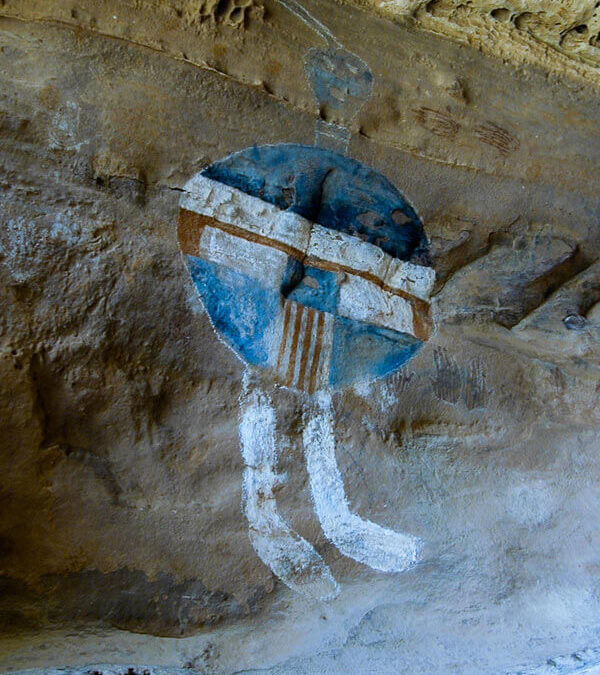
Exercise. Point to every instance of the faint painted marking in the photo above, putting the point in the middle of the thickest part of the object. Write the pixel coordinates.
(497, 137)
(304, 15)
(317, 354)
(310, 317)
(453, 382)
(447, 382)
(105, 669)
(286, 323)
(401, 379)
(294, 348)
(416, 280)
(332, 136)
(438, 122)
(364, 541)
(582, 662)
(474, 391)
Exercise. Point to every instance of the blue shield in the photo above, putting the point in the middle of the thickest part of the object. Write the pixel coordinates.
(295, 320)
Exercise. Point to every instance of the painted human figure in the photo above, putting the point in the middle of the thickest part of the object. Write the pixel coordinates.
(312, 267)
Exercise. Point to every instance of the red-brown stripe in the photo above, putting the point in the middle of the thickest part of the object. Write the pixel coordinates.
(191, 219)
(189, 230)
(243, 234)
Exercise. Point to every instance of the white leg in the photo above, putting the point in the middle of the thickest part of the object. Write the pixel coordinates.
(364, 541)
(290, 556)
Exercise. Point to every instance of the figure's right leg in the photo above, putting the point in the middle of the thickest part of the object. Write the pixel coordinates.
(290, 556)
(363, 540)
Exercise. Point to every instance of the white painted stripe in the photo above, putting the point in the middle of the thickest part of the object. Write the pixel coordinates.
(302, 337)
(234, 207)
(404, 276)
(294, 309)
(324, 368)
(263, 263)
(288, 555)
(363, 300)
(276, 337)
(362, 540)
(327, 350)
(343, 249)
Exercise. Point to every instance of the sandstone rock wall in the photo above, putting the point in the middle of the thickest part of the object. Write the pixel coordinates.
(120, 470)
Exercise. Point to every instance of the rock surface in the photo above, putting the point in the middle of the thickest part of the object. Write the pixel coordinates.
(122, 539)
(561, 36)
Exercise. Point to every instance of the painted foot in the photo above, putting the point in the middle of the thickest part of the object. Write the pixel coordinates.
(364, 541)
(290, 556)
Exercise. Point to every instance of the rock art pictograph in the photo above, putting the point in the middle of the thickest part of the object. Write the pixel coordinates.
(310, 266)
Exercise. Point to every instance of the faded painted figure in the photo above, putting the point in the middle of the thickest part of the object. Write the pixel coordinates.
(314, 268)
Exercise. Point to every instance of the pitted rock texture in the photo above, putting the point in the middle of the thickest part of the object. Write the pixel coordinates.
(234, 13)
(120, 476)
(560, 36)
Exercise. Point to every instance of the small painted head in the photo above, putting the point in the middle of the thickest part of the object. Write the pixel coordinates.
(308, 263)
(340, 81)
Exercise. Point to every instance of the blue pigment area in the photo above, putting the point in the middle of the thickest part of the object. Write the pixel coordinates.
(366, 352)
(340, 80)
(241, 310)
(316, 288)
(339, 193)
(330, 189)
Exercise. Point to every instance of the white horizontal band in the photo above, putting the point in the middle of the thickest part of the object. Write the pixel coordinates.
(342, 249)
(265, 264)
(363, 300)
(234, 207)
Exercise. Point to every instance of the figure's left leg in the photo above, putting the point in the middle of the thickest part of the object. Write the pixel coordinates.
(360, 539)
(290, 556)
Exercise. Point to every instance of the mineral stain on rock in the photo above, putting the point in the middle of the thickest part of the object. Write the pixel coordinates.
(125, 599)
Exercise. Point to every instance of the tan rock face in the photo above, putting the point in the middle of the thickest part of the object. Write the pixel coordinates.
(560, 36)
(121, 524)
